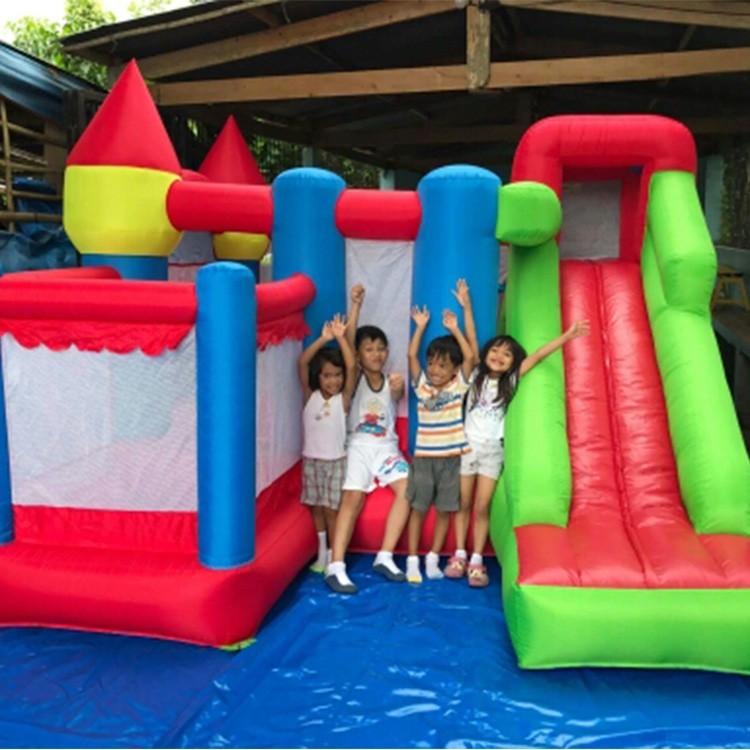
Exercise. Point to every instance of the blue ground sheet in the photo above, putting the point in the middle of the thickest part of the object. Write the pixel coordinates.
(394, 666)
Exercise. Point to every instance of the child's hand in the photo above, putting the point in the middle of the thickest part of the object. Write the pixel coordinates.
(420, 317)
(579, 328)
(338, 327)
(450, 321)
(396, 382)
(327, 333)
(357, 294)
(461, 293)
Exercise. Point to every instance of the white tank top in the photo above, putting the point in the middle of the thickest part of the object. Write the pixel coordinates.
(372, 414)
(324, 427)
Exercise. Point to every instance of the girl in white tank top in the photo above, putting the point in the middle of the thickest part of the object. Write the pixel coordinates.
(328, 377)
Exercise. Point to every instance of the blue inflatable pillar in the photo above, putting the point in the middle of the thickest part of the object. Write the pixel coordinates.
(226, 375)
(133, 267)
(456, 240)
(306, 240)
(6, 507)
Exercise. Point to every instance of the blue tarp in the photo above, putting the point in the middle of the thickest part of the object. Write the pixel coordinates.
(393, 666)
(35, 84)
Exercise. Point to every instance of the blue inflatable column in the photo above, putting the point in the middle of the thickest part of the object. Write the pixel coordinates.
(226, 378)
(134, 267)
(306, 240)
(456, 240)
(6, 507)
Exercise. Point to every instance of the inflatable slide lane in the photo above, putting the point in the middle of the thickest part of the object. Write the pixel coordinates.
(622, 519)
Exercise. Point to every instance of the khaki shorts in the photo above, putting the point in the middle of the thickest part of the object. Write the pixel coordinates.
(434, 481)
(485, 459)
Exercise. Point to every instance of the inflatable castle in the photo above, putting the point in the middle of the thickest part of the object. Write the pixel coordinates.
(150, 430)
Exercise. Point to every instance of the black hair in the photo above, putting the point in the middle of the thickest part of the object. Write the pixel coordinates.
(506, 387)
(446, 346)
(370, 332)
(330, 354)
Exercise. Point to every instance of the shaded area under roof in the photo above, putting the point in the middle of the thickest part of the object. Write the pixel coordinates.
(318, 73)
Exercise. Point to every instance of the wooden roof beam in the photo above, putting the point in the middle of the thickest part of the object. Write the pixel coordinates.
(139, 29)
(527, 73)
(301, 33)
(730, 14)
(478, 37)
(422, 136)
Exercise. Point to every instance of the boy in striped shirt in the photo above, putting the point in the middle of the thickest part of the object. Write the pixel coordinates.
(434, 478)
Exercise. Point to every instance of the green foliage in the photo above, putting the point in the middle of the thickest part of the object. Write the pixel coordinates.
(41, 37)
(735, 208)
(140, 8)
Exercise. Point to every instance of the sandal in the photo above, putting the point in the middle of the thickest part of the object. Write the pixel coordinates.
(478, 577)
(456, 567)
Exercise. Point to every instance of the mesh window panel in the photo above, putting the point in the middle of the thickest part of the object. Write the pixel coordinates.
(591, 220)
(101, 430)
(385, 269)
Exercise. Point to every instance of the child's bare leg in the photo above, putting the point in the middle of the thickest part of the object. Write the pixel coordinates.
(394, 527)
(432, 558)
(397, 516)
(482, 500)
(349, 510)
(456, 568)
(416, 519)
(330, 518)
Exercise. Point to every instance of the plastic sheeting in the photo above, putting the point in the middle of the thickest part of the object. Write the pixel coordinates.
(393, 666)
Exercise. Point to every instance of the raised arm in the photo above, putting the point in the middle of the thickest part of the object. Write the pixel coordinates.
(450, 321)
(421, 318)
(461, 293)
(579, 328)
(303, 364)
(357, 296)
(338, 328)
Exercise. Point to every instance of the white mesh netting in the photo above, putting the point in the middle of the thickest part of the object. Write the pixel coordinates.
(279, 410)
(385, 269)
(118, 432)
(101, 430)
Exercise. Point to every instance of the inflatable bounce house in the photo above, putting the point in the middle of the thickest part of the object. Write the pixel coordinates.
(150, 436)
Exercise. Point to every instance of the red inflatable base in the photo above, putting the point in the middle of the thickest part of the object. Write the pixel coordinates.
(165, 594)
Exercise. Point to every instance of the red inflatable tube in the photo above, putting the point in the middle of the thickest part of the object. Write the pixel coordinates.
(104, 300)
(602, 141)
(220, 207)
(85, 272)
(279, 299)
(379, 214)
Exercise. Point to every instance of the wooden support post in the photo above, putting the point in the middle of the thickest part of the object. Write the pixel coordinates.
(10, 203)
(477, 46)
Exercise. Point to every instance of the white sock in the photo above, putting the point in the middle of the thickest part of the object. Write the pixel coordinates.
(338, 569)
(413, 574)
(432, 566)
(476, 559)
(386, 559)
(462, 554)
(322, 550)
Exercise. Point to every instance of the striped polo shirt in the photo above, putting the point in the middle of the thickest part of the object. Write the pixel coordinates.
(440, 432)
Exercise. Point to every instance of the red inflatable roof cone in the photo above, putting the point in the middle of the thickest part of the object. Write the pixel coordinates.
(230, 160)
(127, 130)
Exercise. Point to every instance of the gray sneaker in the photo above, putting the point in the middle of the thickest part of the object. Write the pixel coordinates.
(384, 570)
(340, 588)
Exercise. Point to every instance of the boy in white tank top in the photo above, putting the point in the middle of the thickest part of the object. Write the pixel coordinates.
(372, 452)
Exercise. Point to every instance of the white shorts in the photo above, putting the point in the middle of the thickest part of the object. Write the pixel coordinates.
(485, 458)
(368, 462)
